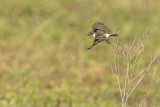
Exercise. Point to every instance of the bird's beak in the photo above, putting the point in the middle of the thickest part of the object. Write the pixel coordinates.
(92, 35)
(89, 34)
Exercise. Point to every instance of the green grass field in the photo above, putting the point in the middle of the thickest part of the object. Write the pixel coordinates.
(43, 56)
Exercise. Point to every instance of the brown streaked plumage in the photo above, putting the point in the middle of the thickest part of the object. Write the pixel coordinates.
(100, 32)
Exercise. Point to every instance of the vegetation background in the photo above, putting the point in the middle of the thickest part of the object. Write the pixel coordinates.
(43, 56)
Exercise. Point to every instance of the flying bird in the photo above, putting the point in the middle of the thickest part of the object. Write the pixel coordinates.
(100, 33)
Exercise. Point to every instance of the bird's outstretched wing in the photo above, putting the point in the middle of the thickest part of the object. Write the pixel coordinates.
(99, 26)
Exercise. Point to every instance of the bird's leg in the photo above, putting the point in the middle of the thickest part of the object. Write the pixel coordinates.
(107, 40)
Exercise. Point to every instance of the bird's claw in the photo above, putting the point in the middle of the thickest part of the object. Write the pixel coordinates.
(108, 41)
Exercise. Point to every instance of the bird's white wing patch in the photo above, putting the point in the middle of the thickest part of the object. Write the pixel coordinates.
(107, 35)
(94, 35)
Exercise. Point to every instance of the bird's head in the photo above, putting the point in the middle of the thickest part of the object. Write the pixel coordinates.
(91, 34)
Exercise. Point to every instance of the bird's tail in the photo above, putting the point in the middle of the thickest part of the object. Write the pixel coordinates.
(114, 35)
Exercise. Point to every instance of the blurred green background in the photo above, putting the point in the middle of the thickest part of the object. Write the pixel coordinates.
(43, 55)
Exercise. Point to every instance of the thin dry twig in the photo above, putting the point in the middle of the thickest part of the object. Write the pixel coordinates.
(129, 56)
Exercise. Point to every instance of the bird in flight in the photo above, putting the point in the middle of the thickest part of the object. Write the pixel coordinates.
(100, 33)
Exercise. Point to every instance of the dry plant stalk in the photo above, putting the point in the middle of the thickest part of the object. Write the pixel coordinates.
(127, 66)
(153, 81)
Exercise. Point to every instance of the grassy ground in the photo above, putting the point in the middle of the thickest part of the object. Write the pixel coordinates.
(43, 55)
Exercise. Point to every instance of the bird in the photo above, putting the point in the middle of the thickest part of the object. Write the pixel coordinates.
(100, 33)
